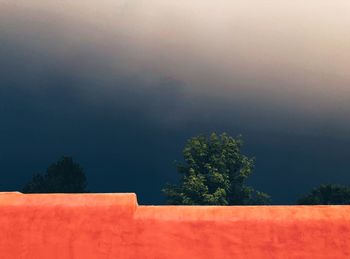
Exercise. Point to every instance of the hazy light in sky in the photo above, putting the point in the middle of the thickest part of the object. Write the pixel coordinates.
(273, 56)
(198, 40)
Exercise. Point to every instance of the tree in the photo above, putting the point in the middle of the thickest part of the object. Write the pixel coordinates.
(327, 194)
(214, 172)
(64, 176)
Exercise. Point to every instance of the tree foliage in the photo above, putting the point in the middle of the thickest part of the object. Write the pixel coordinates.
(327, 194)
(64, 176)
(214, 172)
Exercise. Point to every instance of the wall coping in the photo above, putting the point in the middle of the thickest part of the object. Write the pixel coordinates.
(166, 212)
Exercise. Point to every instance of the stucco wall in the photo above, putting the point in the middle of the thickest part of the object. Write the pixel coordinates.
(84, 226)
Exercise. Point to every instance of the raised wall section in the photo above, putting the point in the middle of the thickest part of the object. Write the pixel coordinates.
(101, 226)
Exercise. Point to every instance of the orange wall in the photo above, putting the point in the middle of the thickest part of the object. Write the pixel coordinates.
(84, 226)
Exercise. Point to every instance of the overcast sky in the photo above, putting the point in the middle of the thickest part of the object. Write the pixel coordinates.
(121, 85)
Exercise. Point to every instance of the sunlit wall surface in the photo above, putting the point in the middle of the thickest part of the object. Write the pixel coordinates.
(115, 82)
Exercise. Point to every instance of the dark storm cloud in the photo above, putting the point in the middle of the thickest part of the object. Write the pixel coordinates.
(121, 86)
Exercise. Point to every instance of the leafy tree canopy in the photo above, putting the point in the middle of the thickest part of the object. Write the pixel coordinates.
(64, 176)
(327, 194)
(214, 172)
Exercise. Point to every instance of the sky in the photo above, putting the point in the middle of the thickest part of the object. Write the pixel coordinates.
(121, 85)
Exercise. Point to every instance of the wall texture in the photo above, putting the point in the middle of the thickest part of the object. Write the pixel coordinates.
(98, 226)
